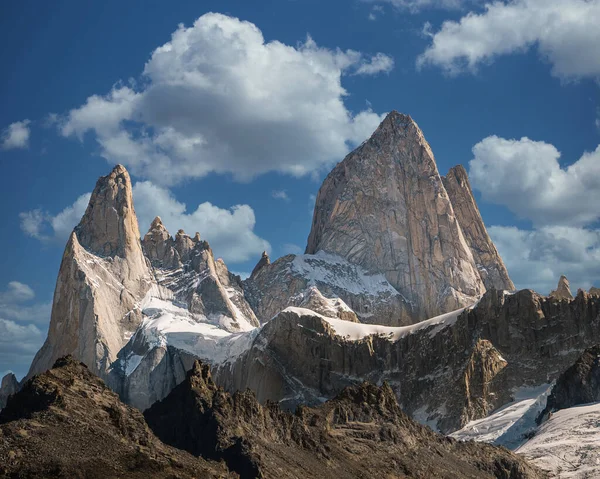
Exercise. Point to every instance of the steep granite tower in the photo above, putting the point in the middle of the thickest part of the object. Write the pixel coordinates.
(102, 278)
(488, 261)
(385, 208)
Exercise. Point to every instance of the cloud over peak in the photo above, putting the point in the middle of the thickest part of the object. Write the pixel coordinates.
(218, 98)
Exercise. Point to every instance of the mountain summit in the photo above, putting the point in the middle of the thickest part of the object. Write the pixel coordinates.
(102, 277)
(385, 208)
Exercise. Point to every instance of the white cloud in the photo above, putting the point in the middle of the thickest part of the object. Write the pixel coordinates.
(16, 293)
(44, 226)
(15, 135)
(218, 98)
(280, 195)
(536, 259)
(230, 232)
(18, 345)
(565, 33)
(380, 63)
(415, 6)
(526, 176)
(13, 305)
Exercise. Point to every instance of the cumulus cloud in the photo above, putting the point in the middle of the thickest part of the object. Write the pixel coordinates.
(229, 231)
(380, 63)
(16, 304)
(280, 195)
(44, 226)
(535, 259)
(565, 33)
(18, 345)
(526, 176)
(415, 6)
(15, 135)
(218, 98)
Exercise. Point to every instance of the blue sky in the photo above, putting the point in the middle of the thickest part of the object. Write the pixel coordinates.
(229, 122)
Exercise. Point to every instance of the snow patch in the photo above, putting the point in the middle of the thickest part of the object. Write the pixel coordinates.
(568, 444)
(356, 331)
(335, 271)
(510, 425)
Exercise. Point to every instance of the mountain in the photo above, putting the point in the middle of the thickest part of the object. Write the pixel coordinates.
(489, 264)
(447, 371)
(568, 441)
(385, 208)
(102, 277)
(390, 237)
(360, 431)
(8, 387)
(67, 423)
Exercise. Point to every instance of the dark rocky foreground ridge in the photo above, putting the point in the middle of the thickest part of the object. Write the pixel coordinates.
(67, 423)
(362, 432)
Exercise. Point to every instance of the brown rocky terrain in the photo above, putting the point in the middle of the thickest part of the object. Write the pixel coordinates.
(66, 423)
(444, 373)
(361, 433)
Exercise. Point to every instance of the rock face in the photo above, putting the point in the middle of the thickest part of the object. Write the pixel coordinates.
(489, 264)
(446, 371)
(278, 285)
(385, 208)
(67, 423)
(8, 387)
(330, 308)
(563, 290)
(264, 261)
(360, 431)
(102, 277)
(579, 384)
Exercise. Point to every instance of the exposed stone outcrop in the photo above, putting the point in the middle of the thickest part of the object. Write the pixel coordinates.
(488, 261)
(385, 208)
(563, 290)
(331, 308)
(579, 384)
(67, 423)
(444, 372)
(278, 285)
(361, 431)
(8, 387)
(159, 247)
(594, 291)
(264, 261)
(102, 278)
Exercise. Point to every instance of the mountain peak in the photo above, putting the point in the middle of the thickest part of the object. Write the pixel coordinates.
(109, 226)
(385, 208)
(563, 290)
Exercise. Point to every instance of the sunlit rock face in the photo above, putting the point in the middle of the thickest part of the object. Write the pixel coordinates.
(385, 208)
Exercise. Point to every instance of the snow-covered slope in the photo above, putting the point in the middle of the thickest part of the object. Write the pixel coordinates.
(568, 444)
(510, 425)
(355, 331)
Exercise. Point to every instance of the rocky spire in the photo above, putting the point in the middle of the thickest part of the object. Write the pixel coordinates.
(159, 247)
(385, 208)
(563, 290)
(102, 278)
(109, 226)
(488, 261)
(8, 387)
(263, 261)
